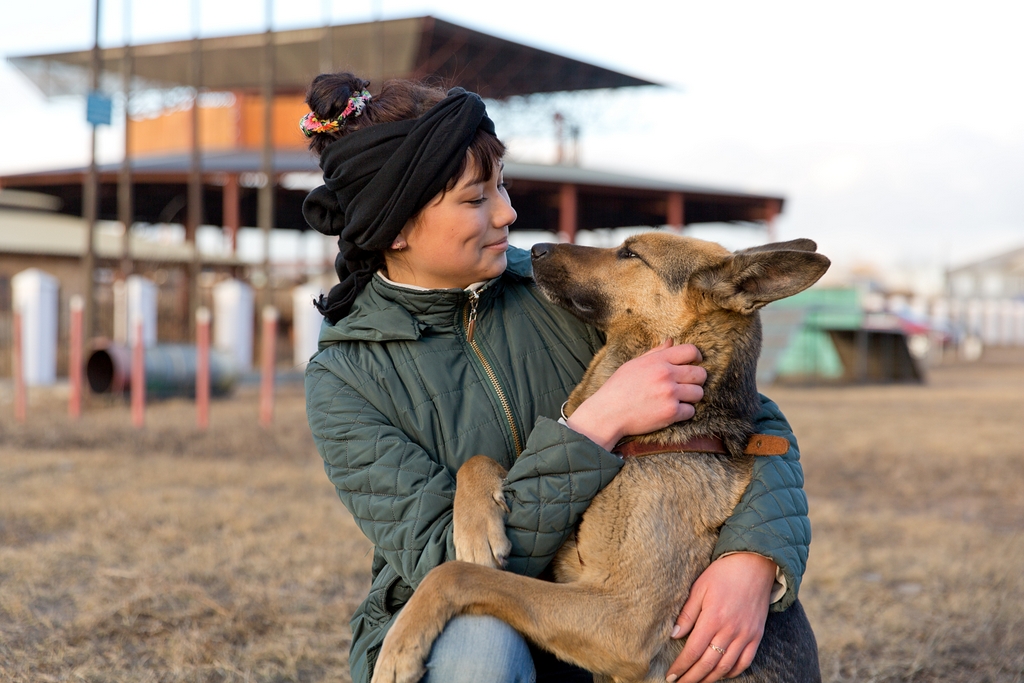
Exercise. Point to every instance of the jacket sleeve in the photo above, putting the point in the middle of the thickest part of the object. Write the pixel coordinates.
(548, 489)
(401, 498)
(771, 518)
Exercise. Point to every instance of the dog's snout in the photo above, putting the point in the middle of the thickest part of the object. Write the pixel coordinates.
(541, 250)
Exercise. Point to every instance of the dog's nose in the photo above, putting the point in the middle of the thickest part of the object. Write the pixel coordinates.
(540, 250)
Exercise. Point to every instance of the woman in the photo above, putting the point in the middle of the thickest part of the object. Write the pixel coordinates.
(437, 348)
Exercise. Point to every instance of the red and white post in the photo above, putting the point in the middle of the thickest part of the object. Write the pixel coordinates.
(203, 367)
(267, 362)
(138, 378)
(20, 399)
(75, 358)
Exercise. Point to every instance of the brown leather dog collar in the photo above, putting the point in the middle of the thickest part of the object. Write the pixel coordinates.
(759, 444)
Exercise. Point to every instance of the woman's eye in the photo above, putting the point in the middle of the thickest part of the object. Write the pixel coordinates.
(506, 184)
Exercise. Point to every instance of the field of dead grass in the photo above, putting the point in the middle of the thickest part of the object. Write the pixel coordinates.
(172, 555)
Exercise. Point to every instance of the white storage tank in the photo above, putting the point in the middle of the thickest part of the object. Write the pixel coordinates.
(135, 299)
(35, 294)
(233, 309)
(306, 321)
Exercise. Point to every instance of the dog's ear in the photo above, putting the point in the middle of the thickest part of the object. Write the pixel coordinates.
(747, 281)
(792, 245)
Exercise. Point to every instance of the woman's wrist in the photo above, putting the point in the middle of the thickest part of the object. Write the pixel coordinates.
(601, 431)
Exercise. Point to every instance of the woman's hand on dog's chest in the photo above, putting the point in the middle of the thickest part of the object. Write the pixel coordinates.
(645, 394)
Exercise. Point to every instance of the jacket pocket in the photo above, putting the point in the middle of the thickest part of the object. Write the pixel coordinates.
(378, 607)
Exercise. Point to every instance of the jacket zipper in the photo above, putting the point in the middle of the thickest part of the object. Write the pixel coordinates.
(469, 320)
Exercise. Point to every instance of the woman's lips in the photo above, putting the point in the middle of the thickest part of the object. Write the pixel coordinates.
(503, 244)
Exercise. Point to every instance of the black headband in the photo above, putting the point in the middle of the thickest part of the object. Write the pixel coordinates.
(377, 178)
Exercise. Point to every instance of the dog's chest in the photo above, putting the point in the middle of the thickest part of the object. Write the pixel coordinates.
(657, 509)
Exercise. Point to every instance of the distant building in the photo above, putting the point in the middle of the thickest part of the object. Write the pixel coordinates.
(998, 277)
(209, 162)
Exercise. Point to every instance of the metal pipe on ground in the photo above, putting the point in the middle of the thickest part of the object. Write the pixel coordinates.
(170, 370)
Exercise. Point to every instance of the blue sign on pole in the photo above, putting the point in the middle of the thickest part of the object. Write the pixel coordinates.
(99, 108)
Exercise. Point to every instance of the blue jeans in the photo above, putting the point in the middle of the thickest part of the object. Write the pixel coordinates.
(483, 649)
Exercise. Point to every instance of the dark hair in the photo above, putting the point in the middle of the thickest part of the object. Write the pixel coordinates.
(398, 100)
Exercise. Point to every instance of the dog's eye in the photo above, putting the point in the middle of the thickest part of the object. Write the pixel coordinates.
(624, 252)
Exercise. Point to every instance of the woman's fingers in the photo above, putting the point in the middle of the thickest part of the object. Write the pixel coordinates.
(679, 354)
(744, 660)
(688, 392)
(712, 665)
(647, 393)
(726, 608)
(689, 374)
(660, 347)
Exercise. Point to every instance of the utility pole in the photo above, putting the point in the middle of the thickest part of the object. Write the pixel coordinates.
(194, 215)
(125, 205)
(90, 193)
(377, 52)
(327, 41)
(265, 198)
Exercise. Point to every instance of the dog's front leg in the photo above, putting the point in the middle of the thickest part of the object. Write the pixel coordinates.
(478, 524)
(405, 649)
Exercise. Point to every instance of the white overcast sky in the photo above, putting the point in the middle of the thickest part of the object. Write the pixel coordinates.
(894, 129)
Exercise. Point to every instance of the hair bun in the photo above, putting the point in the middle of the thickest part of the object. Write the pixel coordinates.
(328, 94)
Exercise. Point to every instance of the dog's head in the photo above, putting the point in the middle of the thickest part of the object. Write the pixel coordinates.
(657, 285)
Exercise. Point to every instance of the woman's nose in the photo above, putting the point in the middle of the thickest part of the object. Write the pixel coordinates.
(505, 215)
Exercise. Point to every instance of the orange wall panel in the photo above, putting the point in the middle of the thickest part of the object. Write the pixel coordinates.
(221, 128)
(285, 133)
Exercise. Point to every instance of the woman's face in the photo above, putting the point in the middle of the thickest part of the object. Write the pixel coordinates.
(457, 239)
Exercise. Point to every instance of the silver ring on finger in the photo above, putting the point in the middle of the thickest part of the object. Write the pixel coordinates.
(717, 649)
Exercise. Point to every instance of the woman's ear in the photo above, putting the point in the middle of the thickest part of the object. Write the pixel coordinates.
(401, 241)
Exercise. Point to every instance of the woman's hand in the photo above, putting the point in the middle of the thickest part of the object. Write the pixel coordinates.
(726, 611)
(645, 394)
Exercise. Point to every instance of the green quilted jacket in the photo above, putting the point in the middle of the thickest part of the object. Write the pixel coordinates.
(398, 398)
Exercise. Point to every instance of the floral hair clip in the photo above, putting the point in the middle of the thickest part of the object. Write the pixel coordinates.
(310, 125)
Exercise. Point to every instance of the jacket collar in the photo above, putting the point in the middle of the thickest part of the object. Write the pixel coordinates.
(384, 312)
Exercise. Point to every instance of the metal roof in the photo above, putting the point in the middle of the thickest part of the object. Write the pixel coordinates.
(418, 48)
(606, 199)
(289, 161)
(1010, 262)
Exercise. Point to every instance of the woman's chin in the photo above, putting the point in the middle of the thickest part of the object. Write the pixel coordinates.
(493, 265)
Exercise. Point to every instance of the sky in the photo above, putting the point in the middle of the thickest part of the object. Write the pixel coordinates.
(894, 129)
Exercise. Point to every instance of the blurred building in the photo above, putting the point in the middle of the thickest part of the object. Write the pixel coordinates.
(986, 300)
(997, 277)
(216, 152)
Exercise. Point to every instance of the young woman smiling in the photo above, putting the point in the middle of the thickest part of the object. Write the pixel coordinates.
(437, 347)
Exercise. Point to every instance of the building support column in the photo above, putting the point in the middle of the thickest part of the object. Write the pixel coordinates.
(125, 200)
(675, 213)
(232, 216)
(265, 198)
(772, 210)
(567, 213)
(195, 186)
(91, 195)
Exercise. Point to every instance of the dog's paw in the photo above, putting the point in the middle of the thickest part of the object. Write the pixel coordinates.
(479, 515)
(402, 654)
(396, 666)
(479, 535)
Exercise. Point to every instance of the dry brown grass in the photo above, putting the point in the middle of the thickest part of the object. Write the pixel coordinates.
(174, 556)
(917, 505)
(170, 555)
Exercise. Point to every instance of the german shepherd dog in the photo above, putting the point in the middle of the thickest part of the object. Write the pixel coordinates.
(622, 579)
